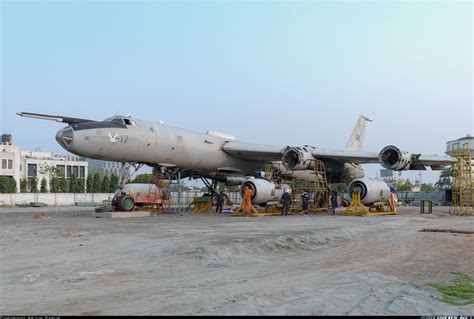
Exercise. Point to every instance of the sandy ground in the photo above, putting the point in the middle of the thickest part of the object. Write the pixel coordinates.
(72, 264)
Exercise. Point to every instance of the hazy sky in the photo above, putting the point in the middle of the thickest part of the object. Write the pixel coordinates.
(267, 72)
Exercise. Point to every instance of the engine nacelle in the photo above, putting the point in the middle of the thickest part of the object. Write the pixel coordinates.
(234, 181)
(391, 157)
(264, 191)
(371, 190)
(298, 158)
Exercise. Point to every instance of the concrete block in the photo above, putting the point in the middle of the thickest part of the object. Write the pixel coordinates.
(121, 214)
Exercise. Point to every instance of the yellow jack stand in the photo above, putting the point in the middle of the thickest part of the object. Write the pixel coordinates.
(240, 211)
(202, 204)
(356, 208)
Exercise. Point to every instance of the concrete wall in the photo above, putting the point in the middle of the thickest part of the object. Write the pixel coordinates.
(435, 197)
(53, 199)
(66, 199)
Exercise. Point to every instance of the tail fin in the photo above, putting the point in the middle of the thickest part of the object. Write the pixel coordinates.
(356, 141)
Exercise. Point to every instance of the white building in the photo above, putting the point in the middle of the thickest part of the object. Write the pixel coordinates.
(24, 165)
(40, 164)
(10, 160)
(104, 167)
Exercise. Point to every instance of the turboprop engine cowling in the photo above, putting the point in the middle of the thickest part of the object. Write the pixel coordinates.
(264, 191)
(371, 190)
(298, 158)
(391, 157)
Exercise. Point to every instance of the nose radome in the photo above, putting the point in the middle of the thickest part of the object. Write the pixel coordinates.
(65, 136)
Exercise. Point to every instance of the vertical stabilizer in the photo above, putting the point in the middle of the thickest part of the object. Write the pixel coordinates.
(356, 141)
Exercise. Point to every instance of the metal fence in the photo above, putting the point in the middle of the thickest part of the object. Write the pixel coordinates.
(185, 198)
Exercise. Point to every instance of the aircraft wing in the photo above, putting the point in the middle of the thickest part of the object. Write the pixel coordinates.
(346, 156)
(254, 152)
(57, 118)
(300, 157)
(390, 157)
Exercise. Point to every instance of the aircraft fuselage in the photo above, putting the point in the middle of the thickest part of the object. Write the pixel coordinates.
(123, 139)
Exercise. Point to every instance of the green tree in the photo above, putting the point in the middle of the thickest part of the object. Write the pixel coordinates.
(54, 185)
(105, 185)
(80, 185)
(150, 179)
(4, 184)
(445, 180)
(12, 185)
(406, 187)
(97, 182)
(62, 185)
(44, 185)
(23, 185)
(427, 188)
(73, 184)
(54, 180)
(143, 179)
(34, 185)
(90, 183)
(113, 183)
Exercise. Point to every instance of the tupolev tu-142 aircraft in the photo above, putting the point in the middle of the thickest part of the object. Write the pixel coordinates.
(221, 158)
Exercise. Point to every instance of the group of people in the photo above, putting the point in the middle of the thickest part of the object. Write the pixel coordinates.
(286, 201)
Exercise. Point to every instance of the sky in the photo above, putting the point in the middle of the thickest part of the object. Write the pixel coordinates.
(280, 73)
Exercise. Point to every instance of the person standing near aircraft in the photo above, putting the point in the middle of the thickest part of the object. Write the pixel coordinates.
(334, 201)
(220, 202)
(286, 202)
(305, 197)
(247, 204)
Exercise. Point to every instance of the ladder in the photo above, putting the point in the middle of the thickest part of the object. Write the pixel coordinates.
(462, 187)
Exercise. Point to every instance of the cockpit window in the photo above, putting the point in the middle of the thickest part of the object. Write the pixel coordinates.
(120, 120)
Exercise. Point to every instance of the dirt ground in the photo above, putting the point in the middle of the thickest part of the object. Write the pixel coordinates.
(72, 264)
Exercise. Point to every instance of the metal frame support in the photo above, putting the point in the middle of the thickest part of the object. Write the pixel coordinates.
(125, 176)
(356, 208)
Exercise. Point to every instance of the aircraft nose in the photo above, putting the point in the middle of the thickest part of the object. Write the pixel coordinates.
(65, 136)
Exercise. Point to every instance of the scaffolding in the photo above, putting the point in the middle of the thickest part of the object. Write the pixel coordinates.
(462, 187)
(317, 186)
